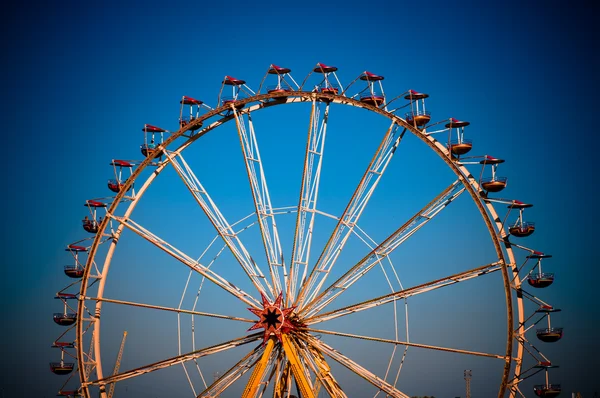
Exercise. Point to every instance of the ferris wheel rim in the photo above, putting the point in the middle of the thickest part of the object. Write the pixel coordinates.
(261, 101)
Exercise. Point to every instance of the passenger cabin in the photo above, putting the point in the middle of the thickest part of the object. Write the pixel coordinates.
(493, 183)
(521, 228)
(327, 86)
(549, 334)
(117, 183)
(193, 106)
(417, 116)
(282, 85)
(61, 368)
(539, 278)
(547, 390)
(458, 146)
(373, 94)
(236, 85)
(150, 149)
(76, 270)
(91, 224)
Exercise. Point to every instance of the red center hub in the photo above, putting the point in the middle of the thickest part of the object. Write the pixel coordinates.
(273, 318)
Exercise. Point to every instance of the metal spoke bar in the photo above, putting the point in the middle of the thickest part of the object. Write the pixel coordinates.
(233, 374)
(404, 293)
(190, 262)
(262, 199)
(176, 360)
(385, 248)
(221, 225)
(307, 203)
(260, 368)
(283, 383)
(299, 371)
(356, 368)
(351, 215)
(178, 310)
(275, 365)
(406, 343)
(321, 368)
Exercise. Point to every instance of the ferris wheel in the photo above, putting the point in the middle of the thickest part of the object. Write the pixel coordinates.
(229, 286)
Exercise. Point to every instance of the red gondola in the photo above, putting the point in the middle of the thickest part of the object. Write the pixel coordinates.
(116, 184)
(418, 116)
(460, 145)
(493, 183)
(284, 81)
(237, 85)
(194, 111)
(327, 86)
(91, 224)
(151, 148)
(521, 228)
(539, 279)
(76, 270)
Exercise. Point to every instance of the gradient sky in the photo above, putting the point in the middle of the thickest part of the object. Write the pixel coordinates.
(80, 82)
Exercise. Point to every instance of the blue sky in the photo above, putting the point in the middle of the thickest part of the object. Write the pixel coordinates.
(80, 82)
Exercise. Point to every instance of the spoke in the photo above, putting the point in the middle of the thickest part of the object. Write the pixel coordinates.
(190, 262)
(178, 359)
(234, 373)
(299, 371)
(406, 343)
(356, 368)
(260, 370)
(274, 366)
(222, 226)
(309, 190)
(178, 310)
(390, 244)
(262, 200)
(404, 293)
(320, 367)
(351, 215)
(283, 383)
